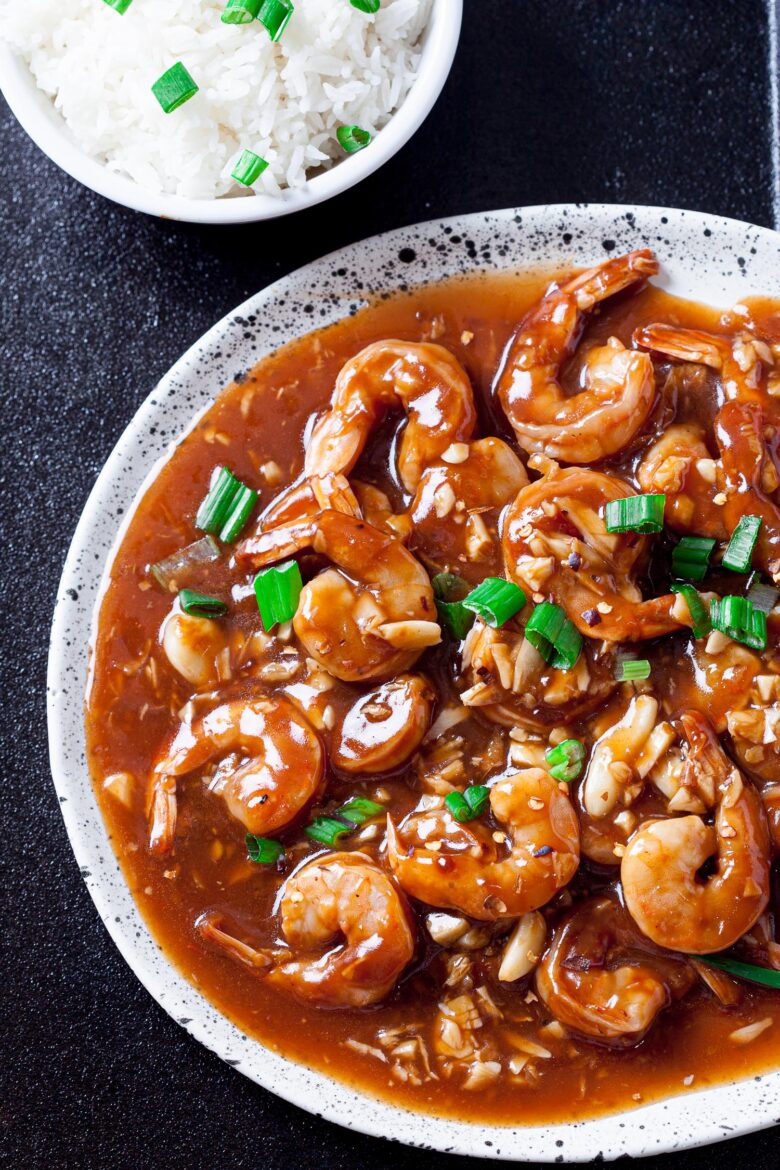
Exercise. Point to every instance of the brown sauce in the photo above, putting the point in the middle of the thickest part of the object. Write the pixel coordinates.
(257, 428)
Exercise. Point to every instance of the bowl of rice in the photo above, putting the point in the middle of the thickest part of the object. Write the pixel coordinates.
(223, 111)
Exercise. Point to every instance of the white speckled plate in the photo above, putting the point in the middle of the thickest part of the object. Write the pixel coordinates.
(703, 257)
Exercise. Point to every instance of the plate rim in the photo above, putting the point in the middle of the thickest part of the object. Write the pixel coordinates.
(607, 1136)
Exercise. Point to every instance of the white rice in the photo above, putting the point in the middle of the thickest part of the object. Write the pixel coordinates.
(333, 66)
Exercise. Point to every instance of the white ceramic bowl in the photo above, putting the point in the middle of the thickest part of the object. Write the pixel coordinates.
(47, 128)
(703, 257)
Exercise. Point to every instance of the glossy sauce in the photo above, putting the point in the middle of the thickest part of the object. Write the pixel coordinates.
(257, 427)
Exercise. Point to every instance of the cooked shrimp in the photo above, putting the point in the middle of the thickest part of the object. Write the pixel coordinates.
(487, 875)
(273, 766)
(749, 474)
(680, 466)
(600, 977)
(308, 496)
(555, 542)
(454, 514)
(354, 927)
(511, 683)
(741, 360)
(196, 647)
(371, 617)
(708, 496)
(384, 727)
(663, 890)
(423, 379)
(618, 387)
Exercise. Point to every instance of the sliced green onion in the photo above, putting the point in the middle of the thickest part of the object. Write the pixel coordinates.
(456, 803)
(249, 167)
(277, 591)
(120, 6)
(171, 570)
(691, 557)
(274, 15)
(765, 975)
(263, 850)
(555, 637)
(739, 555)
(449, 587)
(762, 596)
(241, 506)
(369, 6)
(174, 88)
(632, 669)
(468, 805)
(449, 591)
(455, 618)
(201, 605)
(736, 617)
(214, 507)
(360, 809)
(240, 11)
(352, 138)
(635, 514)
(495, 601)
(225, 509)
(476, 797)
(565, 760)
(697, 608)
(328, 830)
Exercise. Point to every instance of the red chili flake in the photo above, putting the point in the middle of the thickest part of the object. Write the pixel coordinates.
(591, 617)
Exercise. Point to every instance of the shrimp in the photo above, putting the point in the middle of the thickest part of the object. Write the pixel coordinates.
(511, 683)
(275, 765)
(488, 875)
(679, 465)
(372, 616)
(345, 907)
(740, 360)
(601, 978)
(555, 542)
(749, 473)
(196, 647)
(618, 385)
(423, 379)
(384, 727)
(663, 890)
(454, 514)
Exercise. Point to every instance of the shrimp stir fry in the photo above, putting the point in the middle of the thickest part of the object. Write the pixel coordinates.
(556, 544)
(618, 388)
(660, 872)
(372, 615)
(458, 724)
(486, 874)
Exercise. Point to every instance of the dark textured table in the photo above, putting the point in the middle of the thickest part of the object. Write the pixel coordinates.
(646, 101)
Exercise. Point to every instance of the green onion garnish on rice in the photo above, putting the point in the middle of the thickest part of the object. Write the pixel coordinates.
(120, 6)
(174, 88)
(369, 6)
(249, 168)
(274, 15)
(352, 138)
(240, 11)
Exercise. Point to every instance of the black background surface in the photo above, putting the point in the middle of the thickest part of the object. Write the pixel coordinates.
(646, 101)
